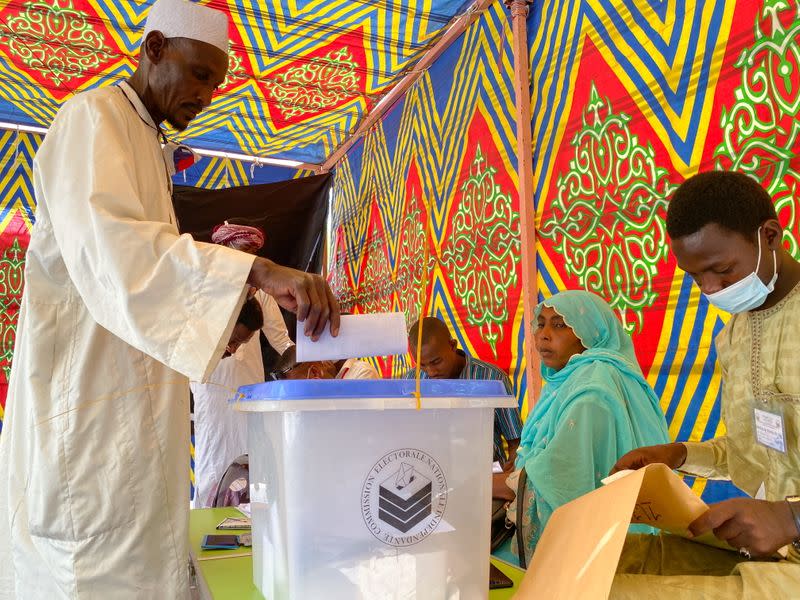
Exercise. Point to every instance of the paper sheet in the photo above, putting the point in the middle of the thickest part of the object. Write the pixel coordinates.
(380, 334)
(578, 552)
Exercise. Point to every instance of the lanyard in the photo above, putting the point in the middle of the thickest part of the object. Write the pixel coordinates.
(177, 157)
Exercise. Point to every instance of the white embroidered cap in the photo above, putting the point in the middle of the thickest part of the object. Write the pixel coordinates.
(180, 18)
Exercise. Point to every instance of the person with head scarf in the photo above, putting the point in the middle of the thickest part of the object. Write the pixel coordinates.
(119, 312)
(595, 407)
(239, 237)
(220, 433)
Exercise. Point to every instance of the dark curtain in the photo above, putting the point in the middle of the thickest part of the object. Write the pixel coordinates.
(291, 213)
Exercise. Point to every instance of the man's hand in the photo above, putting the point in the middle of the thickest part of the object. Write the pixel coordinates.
(512, 454)
(759, 526)
(672, 455)
(305, 294)
(500, 489)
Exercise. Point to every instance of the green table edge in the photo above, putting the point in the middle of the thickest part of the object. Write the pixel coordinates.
(232, 578)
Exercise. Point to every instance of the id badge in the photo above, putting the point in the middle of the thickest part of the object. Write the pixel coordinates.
(769, 427)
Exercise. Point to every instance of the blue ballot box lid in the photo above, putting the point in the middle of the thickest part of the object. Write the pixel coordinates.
(334, 394)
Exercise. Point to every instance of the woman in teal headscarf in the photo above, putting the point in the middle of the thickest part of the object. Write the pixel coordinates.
(595, 406)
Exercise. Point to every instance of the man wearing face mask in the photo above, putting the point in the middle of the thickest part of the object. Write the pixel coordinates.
(725, 234)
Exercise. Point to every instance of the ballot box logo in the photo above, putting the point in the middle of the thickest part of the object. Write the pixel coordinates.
(404, 497)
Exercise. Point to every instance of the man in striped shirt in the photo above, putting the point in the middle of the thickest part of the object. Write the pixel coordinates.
(441, 359)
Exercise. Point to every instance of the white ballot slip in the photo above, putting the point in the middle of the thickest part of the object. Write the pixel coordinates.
(380, 334)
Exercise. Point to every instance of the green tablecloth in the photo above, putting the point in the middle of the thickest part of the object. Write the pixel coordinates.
(232, 578)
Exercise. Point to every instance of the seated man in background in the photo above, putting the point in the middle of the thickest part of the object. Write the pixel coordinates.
(249, 321)
(440, 358)
(233, 490)
(725, 234)
(221, 433)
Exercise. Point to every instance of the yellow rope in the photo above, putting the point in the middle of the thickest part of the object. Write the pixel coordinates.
(423, 305)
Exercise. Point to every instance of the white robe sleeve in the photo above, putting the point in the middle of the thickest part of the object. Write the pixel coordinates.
(170, 297)
(274, 326)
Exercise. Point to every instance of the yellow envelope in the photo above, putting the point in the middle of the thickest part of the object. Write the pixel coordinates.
(578, 552)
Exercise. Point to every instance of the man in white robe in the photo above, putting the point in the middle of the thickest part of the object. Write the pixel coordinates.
(119, 312)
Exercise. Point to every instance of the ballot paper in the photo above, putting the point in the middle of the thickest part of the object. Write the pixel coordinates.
(578, 552)
(380, 334)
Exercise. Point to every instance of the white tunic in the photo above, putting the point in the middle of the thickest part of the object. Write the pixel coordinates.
(119, 309)
(357, 369)
(220, 433)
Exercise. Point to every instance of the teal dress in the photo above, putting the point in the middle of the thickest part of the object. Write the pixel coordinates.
(591, 412)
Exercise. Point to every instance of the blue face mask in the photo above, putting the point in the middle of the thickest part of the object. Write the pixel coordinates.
(747, 293)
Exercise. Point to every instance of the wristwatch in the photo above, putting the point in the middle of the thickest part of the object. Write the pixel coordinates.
(794, 506)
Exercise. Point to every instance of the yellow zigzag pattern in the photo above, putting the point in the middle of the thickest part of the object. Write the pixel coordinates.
(328, 18)
(238, 113)
(16, 180)
(671, 72)
(122, 12)
(436, 141)
(554, 75)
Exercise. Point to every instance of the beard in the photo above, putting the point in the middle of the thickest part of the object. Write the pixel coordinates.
(176, 126)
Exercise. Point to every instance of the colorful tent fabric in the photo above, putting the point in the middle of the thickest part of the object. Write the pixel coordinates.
(628, 99)
(646, 95)
(440, 170)
(302, 73)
